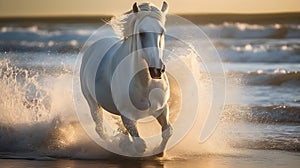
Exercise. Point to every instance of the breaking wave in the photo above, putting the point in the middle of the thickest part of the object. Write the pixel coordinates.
(277, 114)
(244, 30)
(277, 77)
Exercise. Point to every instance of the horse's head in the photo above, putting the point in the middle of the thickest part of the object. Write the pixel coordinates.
(150, 31)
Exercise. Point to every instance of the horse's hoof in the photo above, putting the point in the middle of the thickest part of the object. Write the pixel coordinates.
(139, 145)
(161, 154)
(125, 145)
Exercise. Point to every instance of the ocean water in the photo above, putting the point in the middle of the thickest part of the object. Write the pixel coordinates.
(260, 121)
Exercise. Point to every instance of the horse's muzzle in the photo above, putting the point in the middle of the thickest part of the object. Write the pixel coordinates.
(156, 73)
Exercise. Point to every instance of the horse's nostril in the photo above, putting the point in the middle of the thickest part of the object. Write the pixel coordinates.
(163, 69)
(155, 73)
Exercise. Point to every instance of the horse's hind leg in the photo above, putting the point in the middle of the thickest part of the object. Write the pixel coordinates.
(96, 111)
(139, 143)
(166, 130)
(97, 115)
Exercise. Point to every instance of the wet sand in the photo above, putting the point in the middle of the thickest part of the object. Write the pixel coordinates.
(245, 159)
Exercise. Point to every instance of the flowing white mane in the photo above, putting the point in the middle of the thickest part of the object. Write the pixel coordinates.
(124, 25)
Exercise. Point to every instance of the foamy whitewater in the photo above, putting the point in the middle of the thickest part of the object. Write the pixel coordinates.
(38, 119)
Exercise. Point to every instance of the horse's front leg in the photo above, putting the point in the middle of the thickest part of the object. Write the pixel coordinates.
(166, 129)
(139, 143)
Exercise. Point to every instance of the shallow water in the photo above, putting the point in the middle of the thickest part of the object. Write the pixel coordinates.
(261, 158)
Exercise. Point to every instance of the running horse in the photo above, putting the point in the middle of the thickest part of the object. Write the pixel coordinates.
(130, 79)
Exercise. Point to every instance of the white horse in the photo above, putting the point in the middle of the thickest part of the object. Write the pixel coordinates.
(130, 66)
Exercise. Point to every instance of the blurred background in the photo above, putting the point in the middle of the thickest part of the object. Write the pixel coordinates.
(29, 8)
(258, 42)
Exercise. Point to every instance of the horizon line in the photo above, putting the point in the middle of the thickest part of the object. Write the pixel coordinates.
(180, 14)
(199, 18)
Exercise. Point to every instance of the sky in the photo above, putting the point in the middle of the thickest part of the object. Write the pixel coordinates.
(24, 8)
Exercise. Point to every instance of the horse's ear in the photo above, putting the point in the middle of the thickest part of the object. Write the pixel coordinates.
(164, 7)
(135, 8)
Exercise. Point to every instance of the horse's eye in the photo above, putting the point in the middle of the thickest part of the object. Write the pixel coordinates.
(142, 34)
